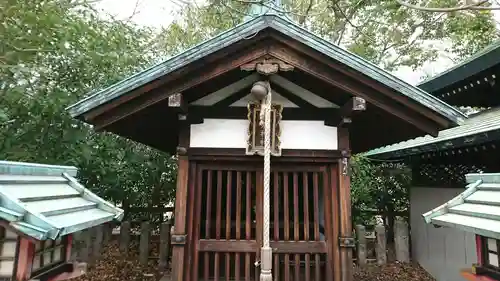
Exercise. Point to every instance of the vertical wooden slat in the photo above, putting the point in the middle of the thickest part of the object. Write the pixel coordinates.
(329, 225)
(305, 186)
(218, 222)
(296, 221)
(248, 221)
(317, 265)
(286, 223)
(228, 221)
(276, 270)
(259, 187)
(238, 224)
(206, 260)
(197, 217)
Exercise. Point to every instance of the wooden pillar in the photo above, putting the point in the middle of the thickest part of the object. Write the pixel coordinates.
(344, 189)
(179, 235)
(25, 255)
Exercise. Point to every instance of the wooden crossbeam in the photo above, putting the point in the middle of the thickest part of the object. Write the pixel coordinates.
(354, 106)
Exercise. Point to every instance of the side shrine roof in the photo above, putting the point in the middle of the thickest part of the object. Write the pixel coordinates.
(475, 210)
(478, 128)
(46, 201)
(486, 58)
(247, 30)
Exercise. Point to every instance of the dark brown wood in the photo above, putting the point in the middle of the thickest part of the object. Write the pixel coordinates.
(238, 204)
(299, 247)
(248, 221)
(335, 209)
(317, 237)
(354, 106)
(183, 171)
(275, 201)
(259, 215)
(344, 191)
(305, 186)
(296, 226)
(228, 222)
(151, 94)
(286, 223)
(196, 234)
(228, 246)
(301, 103)
(208, 211)
(329, 228)
(355, 75)
(190, 219)
(338, 80)
(218, 219)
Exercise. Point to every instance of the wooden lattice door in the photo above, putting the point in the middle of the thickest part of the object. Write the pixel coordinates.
(228, 223)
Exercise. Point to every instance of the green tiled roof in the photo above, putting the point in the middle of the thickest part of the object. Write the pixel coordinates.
(475, 210)
(246, 30)
(46, 201)
(478, 128)
(482, 60)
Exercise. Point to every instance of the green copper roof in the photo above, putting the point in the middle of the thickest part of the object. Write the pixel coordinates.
(475, 210)
(482, 60)
(46, 201)
(479, 128)
(245, 31)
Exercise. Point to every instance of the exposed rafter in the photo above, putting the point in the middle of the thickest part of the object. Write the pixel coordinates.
(227, 91)
(297, 90)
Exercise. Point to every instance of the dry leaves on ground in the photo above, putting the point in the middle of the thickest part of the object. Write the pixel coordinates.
(115, 266)
(393, 271)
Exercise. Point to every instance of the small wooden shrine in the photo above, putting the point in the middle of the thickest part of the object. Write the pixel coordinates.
(233, 220)
(41, 206)
(443, 165)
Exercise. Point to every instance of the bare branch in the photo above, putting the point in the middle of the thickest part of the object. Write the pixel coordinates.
(474, 6)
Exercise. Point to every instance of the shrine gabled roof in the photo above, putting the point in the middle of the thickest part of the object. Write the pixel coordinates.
(247, 30)
(479, 128)
(475, 210)
(46, 201)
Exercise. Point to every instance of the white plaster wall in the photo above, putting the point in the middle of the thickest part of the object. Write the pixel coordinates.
(443, 252)
(230, 133)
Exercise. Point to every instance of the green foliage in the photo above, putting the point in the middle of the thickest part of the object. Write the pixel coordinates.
(378, 187)
(54, 53)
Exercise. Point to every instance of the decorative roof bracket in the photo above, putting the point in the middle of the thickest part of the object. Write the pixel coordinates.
(267, 65)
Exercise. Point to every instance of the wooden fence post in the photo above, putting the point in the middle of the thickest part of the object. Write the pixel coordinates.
(144, 243)
(401, 241)
(124, 237)
(99, 232)
(87, 245)
(164, 245)
(381, 245)
(361, 251)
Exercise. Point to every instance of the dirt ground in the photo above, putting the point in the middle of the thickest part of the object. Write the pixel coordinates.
(113, 266)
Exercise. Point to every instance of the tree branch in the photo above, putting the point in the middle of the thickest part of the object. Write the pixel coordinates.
(473, 6)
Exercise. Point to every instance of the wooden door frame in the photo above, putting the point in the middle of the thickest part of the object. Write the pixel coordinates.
(227, 159)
